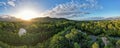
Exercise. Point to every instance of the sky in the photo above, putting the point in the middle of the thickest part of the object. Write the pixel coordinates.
(72, 9)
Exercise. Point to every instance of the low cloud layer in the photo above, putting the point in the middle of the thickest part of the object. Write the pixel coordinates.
(72, 9)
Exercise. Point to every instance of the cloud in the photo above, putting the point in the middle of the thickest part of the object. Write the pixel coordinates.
(8, 3)
(72, 9)
(12, 0)
(2, 3)
(11, 3)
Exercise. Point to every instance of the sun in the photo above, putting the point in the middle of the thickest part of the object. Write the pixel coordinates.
(27, 14)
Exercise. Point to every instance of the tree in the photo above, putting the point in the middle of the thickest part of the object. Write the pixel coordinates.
(95, 45)
(76, 45)
(118, 44)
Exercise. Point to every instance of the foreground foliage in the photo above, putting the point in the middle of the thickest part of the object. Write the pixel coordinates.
(60, 33)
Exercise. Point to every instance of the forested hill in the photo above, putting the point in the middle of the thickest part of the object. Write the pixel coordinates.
(48, 19)
(59, 33)
(10, 18)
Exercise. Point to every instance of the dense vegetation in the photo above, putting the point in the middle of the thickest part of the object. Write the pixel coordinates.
(60, 33)
(110, 28)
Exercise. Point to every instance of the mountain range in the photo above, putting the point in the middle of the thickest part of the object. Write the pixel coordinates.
(11, 18)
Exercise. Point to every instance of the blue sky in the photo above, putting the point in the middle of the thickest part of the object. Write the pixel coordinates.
(110, 8)
(74, 9)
